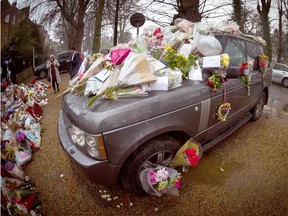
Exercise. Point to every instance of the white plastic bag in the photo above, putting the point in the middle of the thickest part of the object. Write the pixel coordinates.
(209, 46)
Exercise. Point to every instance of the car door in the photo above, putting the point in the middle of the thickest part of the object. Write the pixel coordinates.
(233, 91)
(279, 73)
(62, 59)
(254, 50)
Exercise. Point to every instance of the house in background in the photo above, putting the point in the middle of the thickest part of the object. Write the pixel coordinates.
(10, 17)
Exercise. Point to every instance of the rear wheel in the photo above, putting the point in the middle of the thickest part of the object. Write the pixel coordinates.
(42, 74)
(285, 82)
(258, 109)
(158, 151)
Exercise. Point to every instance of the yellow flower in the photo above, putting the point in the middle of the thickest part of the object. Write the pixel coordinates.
(264, 57)
(162, 185)
(225, 60)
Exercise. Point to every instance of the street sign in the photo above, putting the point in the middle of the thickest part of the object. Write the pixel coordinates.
(137, 20)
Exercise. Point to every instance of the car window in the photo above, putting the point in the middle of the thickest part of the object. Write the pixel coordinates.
(235, 48)
(252, 52)
(262, 50)
(282, 68)
(65, 55)
(272, 65)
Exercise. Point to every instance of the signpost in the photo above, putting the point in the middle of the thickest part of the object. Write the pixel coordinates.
(137, 20)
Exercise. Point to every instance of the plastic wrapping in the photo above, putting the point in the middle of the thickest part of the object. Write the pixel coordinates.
(184, 25)
(188, 155)
(93, 85)
(135, 71)
(195, 72)
(118, 55)
(134, 91)
(139, 44)
(160, 180)
(188, 48)
(167, 79)
(208, 46)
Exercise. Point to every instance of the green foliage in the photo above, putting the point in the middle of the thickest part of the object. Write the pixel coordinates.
(26, 37)
(180, 61)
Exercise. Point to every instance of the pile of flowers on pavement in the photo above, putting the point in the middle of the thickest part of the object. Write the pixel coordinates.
(160, 61)
(21, 112)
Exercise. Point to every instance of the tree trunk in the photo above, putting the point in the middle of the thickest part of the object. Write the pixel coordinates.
(280, 30)
(263, 12)
(238, 14)
(188, 10)
(116, 23)
(97, 29)
(76, 22)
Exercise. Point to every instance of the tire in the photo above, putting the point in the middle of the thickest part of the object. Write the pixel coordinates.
(258, 109)
(158, 151)
(42, 74)
(285, 82)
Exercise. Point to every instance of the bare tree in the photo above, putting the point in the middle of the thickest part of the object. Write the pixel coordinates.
(238, 14)
(263, 10)
(98, 27)
(73, 14)
(280, 6)
(123, 11)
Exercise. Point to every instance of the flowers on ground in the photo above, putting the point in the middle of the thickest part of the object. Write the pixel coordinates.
(188, 155)
(160, 180)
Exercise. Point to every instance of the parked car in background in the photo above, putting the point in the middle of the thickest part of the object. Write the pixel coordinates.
(280, 73)
(41, 71)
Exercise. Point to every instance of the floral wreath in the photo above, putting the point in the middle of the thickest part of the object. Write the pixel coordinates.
(223, 111)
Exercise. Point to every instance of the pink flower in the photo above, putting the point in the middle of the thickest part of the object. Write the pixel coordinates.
(178, 183)
(262, 64)
(151, 176)
(192, 156)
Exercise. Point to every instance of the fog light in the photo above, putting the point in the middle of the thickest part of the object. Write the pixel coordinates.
(93, 151)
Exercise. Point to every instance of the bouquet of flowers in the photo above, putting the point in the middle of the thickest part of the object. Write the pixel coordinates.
(263, 63)
(188, 155)
(215, 82)
(244, 73)
(160, 180)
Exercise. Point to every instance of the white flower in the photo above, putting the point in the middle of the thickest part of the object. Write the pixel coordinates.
(162, 174)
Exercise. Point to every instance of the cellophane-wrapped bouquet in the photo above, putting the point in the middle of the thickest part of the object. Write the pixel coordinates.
(188, 155)
(159, 180)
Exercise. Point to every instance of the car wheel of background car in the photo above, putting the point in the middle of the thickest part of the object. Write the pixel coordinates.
(285, 82)
(158, 151)
(42, 74)
(258, 109)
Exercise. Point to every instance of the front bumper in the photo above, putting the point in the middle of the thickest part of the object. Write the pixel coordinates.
(100, 172)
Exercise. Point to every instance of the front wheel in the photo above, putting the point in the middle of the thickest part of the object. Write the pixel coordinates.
(158, 151)
(258, 109)
(285, 82)
(42, 74)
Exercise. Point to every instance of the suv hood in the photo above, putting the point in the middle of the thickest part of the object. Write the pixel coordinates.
(105, 115)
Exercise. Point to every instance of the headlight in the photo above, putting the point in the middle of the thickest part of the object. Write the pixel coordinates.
(93, 151)
(91, 141)
(94, 143)
(77, 136)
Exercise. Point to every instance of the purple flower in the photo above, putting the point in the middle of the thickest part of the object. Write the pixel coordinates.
(20, 136)
(151, 176)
